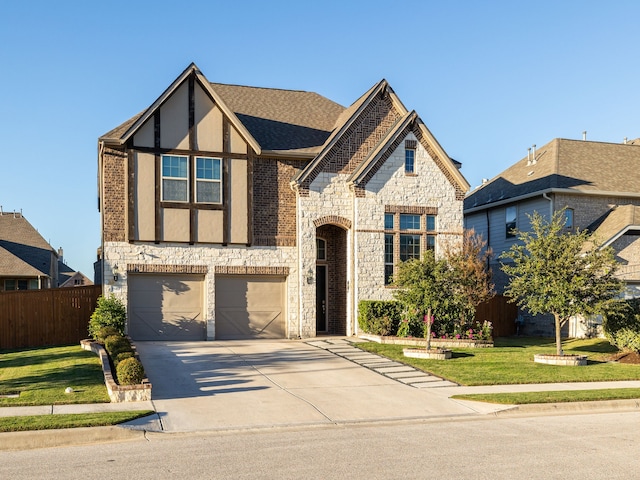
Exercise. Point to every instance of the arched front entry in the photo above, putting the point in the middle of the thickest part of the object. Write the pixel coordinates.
(331, 280)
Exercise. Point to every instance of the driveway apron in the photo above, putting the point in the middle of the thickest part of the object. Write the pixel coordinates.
(236, 384)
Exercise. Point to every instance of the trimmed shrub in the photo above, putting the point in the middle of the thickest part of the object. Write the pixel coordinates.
(117, 344)
(379, 317)
(122, 356)
(110, 312)
(622, 328)
(105, 332)
(129, 372)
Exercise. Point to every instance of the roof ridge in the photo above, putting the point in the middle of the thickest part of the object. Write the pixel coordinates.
(262, 88)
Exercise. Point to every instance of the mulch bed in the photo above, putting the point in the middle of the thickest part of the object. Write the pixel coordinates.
(622, 357)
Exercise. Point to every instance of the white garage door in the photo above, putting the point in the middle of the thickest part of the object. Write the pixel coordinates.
(250, 307)
(166, 307)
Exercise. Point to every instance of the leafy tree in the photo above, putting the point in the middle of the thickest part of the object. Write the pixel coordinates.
(422, 286)
(471, 276)
(553, 270)
(110, 312)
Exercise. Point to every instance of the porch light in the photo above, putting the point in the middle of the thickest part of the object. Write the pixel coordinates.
(310, 276)
(115, 272)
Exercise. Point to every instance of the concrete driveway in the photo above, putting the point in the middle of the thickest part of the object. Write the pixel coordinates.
(272, 383)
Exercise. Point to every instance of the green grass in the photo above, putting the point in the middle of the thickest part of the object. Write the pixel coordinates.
(40, 376)
(46, 422)
(524, 398)
(510, 361)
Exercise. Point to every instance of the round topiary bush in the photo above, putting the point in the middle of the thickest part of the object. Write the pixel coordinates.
(105, 332)
(129, 372)
(116, 344)
(121, 356)
(110, 312)
(622, 327)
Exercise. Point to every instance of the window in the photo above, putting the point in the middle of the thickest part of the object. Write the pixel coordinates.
(321, 249)
(9, 285)
(33, 284)
(408, 233)
(409, 247)
(13, 284)
(175, 181)
(409, 222)
(409, 160)
(511, 214)
(568, 218)
(388, 258)
(208, 180)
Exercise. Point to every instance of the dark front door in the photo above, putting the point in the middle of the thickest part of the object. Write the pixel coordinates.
(321, 298)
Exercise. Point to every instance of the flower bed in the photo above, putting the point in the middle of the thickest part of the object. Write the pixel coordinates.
(421, 342)
(117, 393)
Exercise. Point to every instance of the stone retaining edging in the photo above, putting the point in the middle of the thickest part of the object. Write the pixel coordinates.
(117, 393)
(566, 360)
(421, 342)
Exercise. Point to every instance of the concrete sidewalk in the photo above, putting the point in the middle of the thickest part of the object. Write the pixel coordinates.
(231, 385)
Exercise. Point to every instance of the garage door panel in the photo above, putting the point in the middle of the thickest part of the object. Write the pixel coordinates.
(163, 307)
(250, 307)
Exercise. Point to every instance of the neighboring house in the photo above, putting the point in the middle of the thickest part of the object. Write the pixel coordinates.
(67, 276)
(239, 212)
(27, 261)
(599, 185)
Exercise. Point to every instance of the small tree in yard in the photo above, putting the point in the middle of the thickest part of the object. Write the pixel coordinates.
(562, 273)
(422, 286)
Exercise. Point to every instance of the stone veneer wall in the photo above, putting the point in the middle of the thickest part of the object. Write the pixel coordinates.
(429, 187)
(207, 259)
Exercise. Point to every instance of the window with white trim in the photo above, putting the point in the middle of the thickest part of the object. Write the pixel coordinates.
(175, 179)
(208, 180)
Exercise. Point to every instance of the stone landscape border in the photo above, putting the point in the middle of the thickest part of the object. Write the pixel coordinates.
(117, 393)
(421, 342)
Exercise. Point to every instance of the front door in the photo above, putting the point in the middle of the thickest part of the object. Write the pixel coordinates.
(321, 298)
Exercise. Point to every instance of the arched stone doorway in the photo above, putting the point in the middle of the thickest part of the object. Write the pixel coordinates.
(331, 280)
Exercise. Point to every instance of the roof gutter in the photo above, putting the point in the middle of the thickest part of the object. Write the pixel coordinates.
(568, 191)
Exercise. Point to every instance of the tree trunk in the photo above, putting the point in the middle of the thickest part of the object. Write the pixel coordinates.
(558, 335)
(428, 329)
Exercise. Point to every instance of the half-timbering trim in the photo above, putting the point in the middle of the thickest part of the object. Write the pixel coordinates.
(333, 220)
(193, 153)
(226, 189)
(150, 268)
(245, 270)
(250, 198)
(158, 219)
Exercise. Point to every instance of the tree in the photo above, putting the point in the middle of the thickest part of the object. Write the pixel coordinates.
(422, 286)
(471, 276)
(553, 270)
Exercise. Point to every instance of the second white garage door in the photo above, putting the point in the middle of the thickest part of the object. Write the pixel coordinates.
(250, 307)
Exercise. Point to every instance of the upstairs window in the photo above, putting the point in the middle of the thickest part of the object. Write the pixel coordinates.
(568, 217)
(410, 156)
(511, 215)
(175, 181)
(409, 222)
(208, 180)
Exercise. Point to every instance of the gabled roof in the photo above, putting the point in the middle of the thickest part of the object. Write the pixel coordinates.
(23, 251)
(620, 220)
(281, 121)
(566, 165)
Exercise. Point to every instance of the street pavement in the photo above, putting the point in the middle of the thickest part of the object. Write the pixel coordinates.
(257, 384)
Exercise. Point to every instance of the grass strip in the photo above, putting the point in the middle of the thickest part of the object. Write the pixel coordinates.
(41, 375)
(524, 398)
(47, 422)
(510, 361)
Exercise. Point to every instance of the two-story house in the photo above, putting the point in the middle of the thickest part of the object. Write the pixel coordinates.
(27, 261)
(240, 212)
(599, 185)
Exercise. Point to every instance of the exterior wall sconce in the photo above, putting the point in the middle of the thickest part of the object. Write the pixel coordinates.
(310, 276)
(115, 271)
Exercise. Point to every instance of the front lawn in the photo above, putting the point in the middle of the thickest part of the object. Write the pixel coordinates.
(510, 361)
(48, 422)
(40, 376)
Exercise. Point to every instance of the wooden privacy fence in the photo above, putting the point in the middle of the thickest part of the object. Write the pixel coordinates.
(56, 316)
(500, 313)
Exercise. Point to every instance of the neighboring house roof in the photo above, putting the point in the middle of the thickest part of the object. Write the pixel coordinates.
(620, 220)
(23, 251)
(290, 122)
(565, 165)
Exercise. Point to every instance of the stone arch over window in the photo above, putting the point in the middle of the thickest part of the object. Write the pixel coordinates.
(333, 220)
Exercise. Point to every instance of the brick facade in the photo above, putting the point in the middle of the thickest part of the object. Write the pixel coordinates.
(114, 195)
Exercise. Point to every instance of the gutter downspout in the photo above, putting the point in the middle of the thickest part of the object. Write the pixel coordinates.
(551, 206)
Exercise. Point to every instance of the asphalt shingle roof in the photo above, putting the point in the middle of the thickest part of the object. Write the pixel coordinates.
(578, 165)
(23, 251)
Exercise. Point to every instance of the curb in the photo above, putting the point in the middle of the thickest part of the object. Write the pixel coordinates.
(33, 439)
(572, 407)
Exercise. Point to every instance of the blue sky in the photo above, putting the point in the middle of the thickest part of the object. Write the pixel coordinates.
(489, 79)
